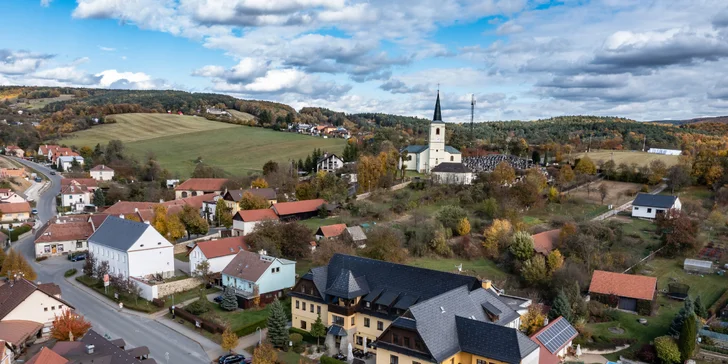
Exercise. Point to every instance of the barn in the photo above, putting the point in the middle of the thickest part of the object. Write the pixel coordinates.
(627, 292)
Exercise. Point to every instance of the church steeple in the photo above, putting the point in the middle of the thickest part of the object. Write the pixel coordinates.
(438, 114)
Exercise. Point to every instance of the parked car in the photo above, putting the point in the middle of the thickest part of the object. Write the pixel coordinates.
(34, 211)
(38, 179)
(77, 257)
(233, 359)
(53, 173)
(218, 299)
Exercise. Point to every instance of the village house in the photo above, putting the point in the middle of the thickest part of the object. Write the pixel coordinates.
(22, 301)
(46, 151)
(90, 183)
(554, 340)
(232, 197)
(199, 186)
(8, 196)
(61, 152)
(15, 212)
(218, 253)
(329, 163)
(452, 173)
(298, 210)
(65, 162)
(249, 271)
(357, 235)
(63, 235)
(132, 249)
(145, 210)
(628, 292)
(245, 221)
(75, 197)
(209, 209)
(649, 206)
(15, 151)
(544, 242)
(412, 314)
(330, 231)
(92, 348)
(102, 173)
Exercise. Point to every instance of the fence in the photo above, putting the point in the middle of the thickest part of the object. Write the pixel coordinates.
(204, 324)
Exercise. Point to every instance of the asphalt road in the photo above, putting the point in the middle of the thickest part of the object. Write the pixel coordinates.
(135, 330)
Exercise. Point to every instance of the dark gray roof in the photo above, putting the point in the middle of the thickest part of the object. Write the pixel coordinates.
(493, 341)
(118, 233)
(406, 301)
(105, 352)
(323, 158)
(347, 286)
(387, 298)
(451, 167)
(415, 149)
(237, 195)
(661, 201)
(405, 323)
(438, 113)
(336, 330)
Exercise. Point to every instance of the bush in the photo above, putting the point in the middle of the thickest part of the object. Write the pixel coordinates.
(295, 338)
(158, 302)
(715, 307)
(647, 353)
(200, 306)
(667, 350)
(251, 327)
(305, 335)
(70, 273)
(13, 235)
(328, 360)
(40, 259)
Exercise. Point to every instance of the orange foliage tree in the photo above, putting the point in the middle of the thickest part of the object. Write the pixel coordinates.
(68, 324)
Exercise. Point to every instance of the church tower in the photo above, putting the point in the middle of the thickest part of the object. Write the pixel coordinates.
(437, 153)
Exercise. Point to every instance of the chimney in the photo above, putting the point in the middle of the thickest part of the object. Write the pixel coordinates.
(136, 209)
(90, 349)
(121, 216)
(487, 284)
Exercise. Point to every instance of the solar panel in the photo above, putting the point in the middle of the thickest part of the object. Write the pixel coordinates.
(556, 335)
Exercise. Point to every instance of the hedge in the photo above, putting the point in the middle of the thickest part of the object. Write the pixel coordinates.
(13, 235)
(71, 272)
(715, 349)
(251, 327)
(206, 325)
(719, 304)
(329, 360)
(307, 337)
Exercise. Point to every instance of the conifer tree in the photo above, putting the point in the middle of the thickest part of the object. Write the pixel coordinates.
(677, 322)
(700, 308)
(229, 301)
(561, 307)
(277, 332)
(686, 344)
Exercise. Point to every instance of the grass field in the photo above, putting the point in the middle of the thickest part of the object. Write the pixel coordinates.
(177, 141)
(244, 116)
(482, 268)
(615, 192)
(629, 157)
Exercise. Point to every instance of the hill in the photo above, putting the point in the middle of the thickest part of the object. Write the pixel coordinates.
(179, 141)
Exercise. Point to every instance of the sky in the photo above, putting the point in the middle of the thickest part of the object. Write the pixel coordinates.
(521, 59)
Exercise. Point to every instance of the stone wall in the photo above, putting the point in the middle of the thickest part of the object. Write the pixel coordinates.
(180, 248)
(166, 289)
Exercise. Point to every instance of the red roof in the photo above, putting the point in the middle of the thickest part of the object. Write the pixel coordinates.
(297, 207)
(256, 215)
(330, 231)
(544, 242)
(44, 149)
(623, 285)
(47, 356)
(222, 247)
(14, 207)
(89, 182)
(202, 184)
(545, 356)
(194, 201)
(66, 231)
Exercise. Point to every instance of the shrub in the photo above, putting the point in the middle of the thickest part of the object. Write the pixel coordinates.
(70, 273)
(40, 259)
(715, 307)
(667, 350)
(295, 338)
(199, 306)
(158, 302)
(647, 353)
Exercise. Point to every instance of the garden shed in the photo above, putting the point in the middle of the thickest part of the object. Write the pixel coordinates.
(698, 266)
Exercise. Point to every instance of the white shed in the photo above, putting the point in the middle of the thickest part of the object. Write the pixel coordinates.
(698, 266)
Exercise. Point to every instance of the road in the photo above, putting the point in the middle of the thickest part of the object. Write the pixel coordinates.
(135, 330)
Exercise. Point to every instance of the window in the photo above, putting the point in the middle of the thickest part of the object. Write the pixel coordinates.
(409, 157)
(318, 309)
(303, 304)
(53, 308)
(452, 158)
(359, 340)
(480, 361)
(303, 325)
(278, 269)
(393, 359)
(380, 325)
(395, 339)
(272, 270)
(366, 322)
(45, 309)
(406, 341)
(60, 307)
(353, 320)
(79, 244)
(649, 210)
(311, 308)
(636, 208)
(296, 303)
(338, 320)
(437, 131)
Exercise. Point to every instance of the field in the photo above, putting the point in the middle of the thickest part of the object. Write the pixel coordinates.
(244, 116)
(615, 195)
(177, 142)
(482, 268)
(629, 157)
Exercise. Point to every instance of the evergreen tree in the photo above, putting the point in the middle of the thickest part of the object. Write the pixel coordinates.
(229, 301)
(99, 198)
(309, 165)
(578, 305)
(561, 307)
(677, 322)
(686, 344)
(300, 166)
(318, 329)
(700, 309)
(277, 332)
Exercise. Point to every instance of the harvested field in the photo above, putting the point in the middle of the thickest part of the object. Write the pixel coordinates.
(615, 196)
(629, 157)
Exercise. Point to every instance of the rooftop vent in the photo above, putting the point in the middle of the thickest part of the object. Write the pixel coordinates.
(90, 349)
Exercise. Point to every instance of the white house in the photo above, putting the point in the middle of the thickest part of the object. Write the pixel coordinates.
(329, 163)
(22, 300)
(102, 173)
(423, 158)
(452, 173)
(75, 196)
(134, 249)
(8, 196)
(248, 270)
(245, 221)
(216, 252)
(63, 235)
(665, 151)
(63, 163)
(649, 206)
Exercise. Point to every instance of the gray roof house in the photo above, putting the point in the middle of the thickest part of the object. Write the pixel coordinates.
(646, 205)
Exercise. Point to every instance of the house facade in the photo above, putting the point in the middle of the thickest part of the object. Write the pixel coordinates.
(628, 292)
(75, 197)
(102, 173)
(245, 221)
(218, 253)
(423, 158)
(199, 186)
(15, 151)
(63, 235)
(15, 212)
(248, 270)
(649, 206)
(132, 249)
(363, 301)
(23, 300)
(65, 162)
(329, 163)
(452, 173)
(233, 197)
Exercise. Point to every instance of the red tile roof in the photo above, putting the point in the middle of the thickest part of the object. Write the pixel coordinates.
(18, 331)
(623, 285)
(194, 201)
(14, 207)
(47, 356)
(74, 189)
(544, 242)
(44, 149)
(67, 231)
(13, 295)
(256, 215)
(101, 168)
(202, 184)
(89, 182)
(330, 231)
(297, 207)
(127, 207)
(222, 247)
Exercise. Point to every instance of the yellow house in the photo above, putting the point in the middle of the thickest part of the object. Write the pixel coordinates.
(232, 197)
(15, 211)
(369, 302)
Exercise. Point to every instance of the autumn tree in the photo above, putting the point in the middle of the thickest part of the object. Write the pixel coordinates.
(288, 240)
(463, 227)
(385, 243)
(67, 324)
(679, 232)
(603, 192)
(265, 353)
(250, 201)
(168, 226)
(533, 320)
(256, 296)
(369, 171)
(270, 167)
(193, 223)
(658, 170)
(503, 173)
(585, 166)
(229, 339)
(566, 175)
(496, 236)
(15, 265)
(223, 214)
(202, 269)
(327, 249)
(259, 183)
(554, 261)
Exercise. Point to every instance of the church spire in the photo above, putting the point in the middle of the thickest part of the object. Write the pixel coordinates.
(438, 114)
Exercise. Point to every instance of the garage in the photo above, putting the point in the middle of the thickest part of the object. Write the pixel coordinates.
(629, 304)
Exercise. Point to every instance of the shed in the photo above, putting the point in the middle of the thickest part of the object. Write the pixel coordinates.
(698, 266)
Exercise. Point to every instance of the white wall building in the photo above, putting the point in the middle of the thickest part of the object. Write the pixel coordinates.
(329, 163)
(248, 270)
(245, 221)
(102, 173)
(63, 235)
(132, 248)
(649, 206)
(32, 302)
(63, 163)
(664, 151)
(423, 158)
(218, 253)
(75, 196)
(452, 173)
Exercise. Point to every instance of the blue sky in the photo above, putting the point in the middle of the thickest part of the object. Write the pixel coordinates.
(523, 59)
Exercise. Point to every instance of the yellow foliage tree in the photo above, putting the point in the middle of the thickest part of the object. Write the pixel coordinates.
(554, 261)
(168, 226)
(259, 183)
(566, 175)
(265, 354)
(586, 166)
(496, 236)
(503, 173)
(16, 265)
(533, 320)
(250, 201)
(229, 340)
(369, 172)
(463, 227)
(553, 194)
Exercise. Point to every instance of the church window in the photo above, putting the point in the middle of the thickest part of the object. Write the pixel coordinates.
(437, 131)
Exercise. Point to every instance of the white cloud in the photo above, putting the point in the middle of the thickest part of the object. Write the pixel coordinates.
(107, 49)
(45, 3)
(509, 27)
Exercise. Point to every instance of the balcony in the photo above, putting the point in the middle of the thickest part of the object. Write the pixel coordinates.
(343, 310)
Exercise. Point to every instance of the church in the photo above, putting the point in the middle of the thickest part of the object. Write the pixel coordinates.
(423, 158)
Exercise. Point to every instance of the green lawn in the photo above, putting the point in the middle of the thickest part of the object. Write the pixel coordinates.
(576, 210)
(178, 141)
(182, 257)
(644, 233)
(316, 222)
(240, 318)
(482, 268)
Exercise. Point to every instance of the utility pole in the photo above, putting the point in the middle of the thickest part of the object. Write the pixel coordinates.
(472, 118)
(644, 142)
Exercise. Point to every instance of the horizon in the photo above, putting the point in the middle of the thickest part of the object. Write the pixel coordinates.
(523, 60)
